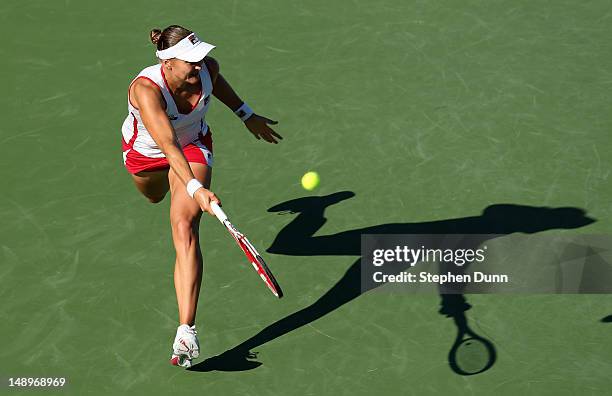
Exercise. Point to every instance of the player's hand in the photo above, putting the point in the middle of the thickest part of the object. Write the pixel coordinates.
(258, 126)
(203, 197)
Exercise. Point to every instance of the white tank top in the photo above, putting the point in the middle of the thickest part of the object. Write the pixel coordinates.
(186, 126)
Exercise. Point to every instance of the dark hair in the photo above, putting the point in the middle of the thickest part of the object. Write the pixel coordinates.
(169, 36)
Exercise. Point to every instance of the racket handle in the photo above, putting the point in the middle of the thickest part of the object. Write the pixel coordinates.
(221, 216)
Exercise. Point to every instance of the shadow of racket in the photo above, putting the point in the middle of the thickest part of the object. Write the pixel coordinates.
(470, 354)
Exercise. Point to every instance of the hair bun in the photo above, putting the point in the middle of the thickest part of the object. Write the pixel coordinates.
(154, 35)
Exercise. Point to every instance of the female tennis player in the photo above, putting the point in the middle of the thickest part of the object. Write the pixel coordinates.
(167, 146)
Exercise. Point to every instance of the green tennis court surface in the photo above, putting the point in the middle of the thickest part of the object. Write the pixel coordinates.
(424, 111)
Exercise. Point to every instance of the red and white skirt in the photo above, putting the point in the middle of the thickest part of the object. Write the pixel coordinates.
(199, 151)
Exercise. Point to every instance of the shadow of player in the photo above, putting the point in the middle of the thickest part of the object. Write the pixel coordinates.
(297, 239)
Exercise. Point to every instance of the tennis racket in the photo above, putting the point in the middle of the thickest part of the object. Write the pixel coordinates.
(249, 250)
(470, 354)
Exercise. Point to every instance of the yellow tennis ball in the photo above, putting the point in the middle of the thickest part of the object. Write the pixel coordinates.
(310, 180)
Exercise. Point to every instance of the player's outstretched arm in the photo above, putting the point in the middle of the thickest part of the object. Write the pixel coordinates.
(256, 124)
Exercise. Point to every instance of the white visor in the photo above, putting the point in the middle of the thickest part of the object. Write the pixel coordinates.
(189, 49)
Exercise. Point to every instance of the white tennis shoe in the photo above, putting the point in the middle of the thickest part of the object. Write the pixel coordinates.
(186, 346)
(180, 360)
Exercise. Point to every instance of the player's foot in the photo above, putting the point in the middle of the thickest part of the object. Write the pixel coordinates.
(185, 347)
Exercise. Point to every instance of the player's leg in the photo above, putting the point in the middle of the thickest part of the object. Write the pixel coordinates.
(153, 185)
(185, 216)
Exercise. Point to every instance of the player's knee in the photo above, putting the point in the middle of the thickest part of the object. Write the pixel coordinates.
(184, 228)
